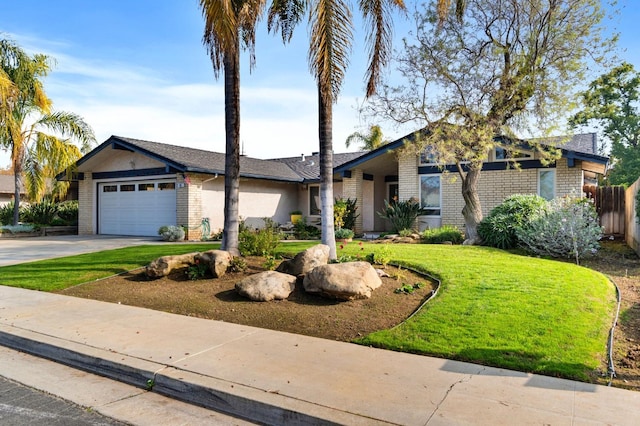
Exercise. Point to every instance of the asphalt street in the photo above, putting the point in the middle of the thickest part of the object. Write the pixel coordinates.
(23, 406)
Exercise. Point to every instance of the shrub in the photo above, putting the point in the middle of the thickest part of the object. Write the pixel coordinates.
(304, 231)
(260, 242)
(442, 234)
(238, 264)
(406, 232)
(568, 229)
(68, 212)
(343, 234)
(344, 213)
(381, 256)
(171, 233)
(6, 213)
(499, 228)
(401, 214)
(198, 270)
(41, 213)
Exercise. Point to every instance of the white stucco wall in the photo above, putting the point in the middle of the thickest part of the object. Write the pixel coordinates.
(258, 199)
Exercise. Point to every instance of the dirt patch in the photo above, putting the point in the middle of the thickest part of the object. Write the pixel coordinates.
(622, 266)
(302, 313)
(315, 316)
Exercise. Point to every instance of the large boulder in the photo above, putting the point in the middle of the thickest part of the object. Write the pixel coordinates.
(345, 281)
(162, 266)
(218, 261)
(266, 286)
(306, 260)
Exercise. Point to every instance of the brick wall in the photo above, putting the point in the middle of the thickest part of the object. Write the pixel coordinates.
(189, 204)
(352, 188)
(408, 177)
(495, 186)
(86, 205)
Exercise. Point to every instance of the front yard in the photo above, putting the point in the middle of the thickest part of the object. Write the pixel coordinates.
(493, 308)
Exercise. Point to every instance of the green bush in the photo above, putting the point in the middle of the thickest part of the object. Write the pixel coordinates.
(569, 229)
(68, 212)
(442, 234)
(499, 228)
(401, 214)
(344, 213)
(171, 233)
(304, 231)
(6, 213)
(343, 234)
(41, 213)
(260, 242)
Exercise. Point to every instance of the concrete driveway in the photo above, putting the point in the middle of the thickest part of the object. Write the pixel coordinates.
(27, 249)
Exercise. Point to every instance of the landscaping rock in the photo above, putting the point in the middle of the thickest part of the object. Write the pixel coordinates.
(306, 260)
(344, 281)
(162, 266)
(266, 286)
(218, 261)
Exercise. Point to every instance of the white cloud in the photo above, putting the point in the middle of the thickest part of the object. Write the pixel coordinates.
(116, 98)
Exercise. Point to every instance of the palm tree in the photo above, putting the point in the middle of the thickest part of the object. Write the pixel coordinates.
(370, 141)
(40, 141)
(230, 25)
(330, 23)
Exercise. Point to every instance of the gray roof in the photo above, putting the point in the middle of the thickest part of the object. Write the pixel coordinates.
(201, 161)
(7, 185)
(586, 143)
(308, 166)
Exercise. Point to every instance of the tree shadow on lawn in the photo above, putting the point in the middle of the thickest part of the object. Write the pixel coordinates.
(512, 363)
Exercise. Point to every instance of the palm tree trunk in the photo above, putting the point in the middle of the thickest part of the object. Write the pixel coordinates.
(472, 211)
(232, 144)
(16, 194)
(18, 155)
(325, 123)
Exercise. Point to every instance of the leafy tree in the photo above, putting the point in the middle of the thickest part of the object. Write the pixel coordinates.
(39, 139)
(611, 101)
(494, 69)
(370, 141)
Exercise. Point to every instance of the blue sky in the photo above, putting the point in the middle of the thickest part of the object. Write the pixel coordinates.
(141, 71)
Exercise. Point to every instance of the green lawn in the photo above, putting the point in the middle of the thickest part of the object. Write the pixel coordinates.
(57, 274)
(493, 308)
(504, 310)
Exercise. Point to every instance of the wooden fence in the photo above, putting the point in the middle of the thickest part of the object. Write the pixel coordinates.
(610, 205)
(632, 235)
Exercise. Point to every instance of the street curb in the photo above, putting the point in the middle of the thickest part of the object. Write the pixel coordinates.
(265, 407)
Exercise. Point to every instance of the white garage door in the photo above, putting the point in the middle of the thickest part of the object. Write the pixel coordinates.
(136, 208)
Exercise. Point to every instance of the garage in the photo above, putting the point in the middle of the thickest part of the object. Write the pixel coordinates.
(136, 207)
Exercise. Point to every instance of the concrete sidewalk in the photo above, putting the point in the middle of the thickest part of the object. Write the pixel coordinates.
(280, 378)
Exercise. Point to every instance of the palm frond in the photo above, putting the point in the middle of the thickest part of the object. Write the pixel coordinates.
(285, 15)
(68, 125)
(220, 30)
(34, 180)
(377, 14)
(331, 39)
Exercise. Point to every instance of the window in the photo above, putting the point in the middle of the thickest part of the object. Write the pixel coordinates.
(502, 154)
(547, 184)
(393, 192)
(127, 188)
(146, 187)
(428, 156)
(430, 194)
(166, 186)
(314, 200)
(110, 188)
